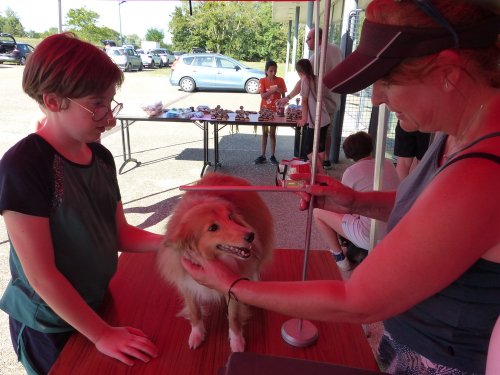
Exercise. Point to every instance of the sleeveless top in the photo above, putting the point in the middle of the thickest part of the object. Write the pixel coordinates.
(453, 326)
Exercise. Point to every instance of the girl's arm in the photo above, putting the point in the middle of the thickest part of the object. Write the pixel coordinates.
(31, 238)
(133, 239)
(437, 241)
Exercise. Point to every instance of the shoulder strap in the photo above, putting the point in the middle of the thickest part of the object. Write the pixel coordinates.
(481, 155)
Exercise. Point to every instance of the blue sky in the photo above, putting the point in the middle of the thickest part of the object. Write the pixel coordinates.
(136, 16)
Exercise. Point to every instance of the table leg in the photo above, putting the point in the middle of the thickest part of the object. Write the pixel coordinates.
(206, 163)
(216, 146)
(127, 153)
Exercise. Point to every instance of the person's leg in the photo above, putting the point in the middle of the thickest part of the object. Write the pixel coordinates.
(262, 158)
(37, 351)
(329, 225)
(272, 139)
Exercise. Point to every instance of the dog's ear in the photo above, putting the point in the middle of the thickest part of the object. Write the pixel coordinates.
(180, 236)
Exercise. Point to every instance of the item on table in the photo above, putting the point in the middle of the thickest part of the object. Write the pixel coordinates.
(293, 113)
(265, 115)
(241, 114)
(153, 109)
(203, 108)
(219, 114)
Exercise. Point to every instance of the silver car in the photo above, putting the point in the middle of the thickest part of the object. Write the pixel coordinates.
(167, 57)
(126, 58)
(214, 71)
(150, 59)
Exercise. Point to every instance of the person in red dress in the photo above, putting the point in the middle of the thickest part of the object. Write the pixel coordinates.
(271, 88)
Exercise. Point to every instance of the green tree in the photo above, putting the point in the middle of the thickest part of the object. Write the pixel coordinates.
(154, 35)
(243, 30)
(83, 23)
(11, 24)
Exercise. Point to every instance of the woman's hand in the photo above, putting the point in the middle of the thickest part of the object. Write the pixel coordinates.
(211, 273)
(126, 344)
(339, 197)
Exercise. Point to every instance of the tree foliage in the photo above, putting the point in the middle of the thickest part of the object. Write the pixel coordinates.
(11, 24)
(243, 30)
(154, 35)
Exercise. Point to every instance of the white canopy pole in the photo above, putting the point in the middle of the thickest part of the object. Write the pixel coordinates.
(383, 120)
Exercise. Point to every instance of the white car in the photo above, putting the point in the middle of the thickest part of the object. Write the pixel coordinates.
(150, 59)
(167, 57)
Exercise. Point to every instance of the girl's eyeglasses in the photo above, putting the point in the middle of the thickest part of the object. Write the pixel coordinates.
(101, 111)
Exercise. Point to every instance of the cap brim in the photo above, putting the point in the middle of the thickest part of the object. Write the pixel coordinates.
(382, 47)
(357, 72)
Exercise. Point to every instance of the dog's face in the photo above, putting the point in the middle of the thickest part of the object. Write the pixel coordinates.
(213, 229)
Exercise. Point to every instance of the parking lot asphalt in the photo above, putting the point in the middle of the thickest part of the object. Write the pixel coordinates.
(171, 155)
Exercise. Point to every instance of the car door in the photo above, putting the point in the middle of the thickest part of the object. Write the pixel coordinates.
(203, 71)
(134, 58)
(229, 74)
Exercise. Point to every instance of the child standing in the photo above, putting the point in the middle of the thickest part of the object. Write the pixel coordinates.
(271, 88)
(61, 205)
(308, 89)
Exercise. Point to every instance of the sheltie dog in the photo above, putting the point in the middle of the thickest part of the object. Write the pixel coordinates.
(234, 226)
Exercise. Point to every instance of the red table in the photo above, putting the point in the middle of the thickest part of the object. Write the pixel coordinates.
(139, 298)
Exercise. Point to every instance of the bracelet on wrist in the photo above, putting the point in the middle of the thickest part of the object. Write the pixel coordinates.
(230, 293)
(289, 97)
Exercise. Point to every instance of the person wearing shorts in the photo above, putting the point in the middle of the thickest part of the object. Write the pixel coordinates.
(355, 228)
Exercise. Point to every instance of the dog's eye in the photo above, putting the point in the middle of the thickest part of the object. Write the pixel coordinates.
(213, 228)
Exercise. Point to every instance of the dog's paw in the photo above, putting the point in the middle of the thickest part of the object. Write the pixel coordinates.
(197, 335)
(236, 341)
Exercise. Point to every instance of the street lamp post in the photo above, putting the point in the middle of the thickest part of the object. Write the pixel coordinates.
(120, 2)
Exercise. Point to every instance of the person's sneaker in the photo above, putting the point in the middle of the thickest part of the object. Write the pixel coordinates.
(273, 160)
(261, 159)
(327, 164)
(342, 262)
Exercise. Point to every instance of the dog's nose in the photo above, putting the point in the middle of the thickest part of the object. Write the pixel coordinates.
(250, 237)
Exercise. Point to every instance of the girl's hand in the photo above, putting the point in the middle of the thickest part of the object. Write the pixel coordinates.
(301, 122)
(211, 273)
(126, 344)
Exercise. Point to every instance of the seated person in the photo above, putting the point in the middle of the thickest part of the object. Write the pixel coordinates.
(359, 176)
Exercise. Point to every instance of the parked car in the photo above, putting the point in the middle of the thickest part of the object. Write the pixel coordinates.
(12, 51)
(167, 57)
(150, 59)
(178, 53)
(127, 59)
(214, 71)
(198, 50)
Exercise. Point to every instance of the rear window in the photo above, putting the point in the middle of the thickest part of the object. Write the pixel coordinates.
(188, 60)
(203, 61)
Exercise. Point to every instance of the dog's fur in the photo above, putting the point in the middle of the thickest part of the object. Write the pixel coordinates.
(235, 227)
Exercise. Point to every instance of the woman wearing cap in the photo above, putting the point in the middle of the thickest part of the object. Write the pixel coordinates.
(439, 293)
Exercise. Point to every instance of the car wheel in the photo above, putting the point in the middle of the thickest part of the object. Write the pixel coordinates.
(22, 60)
(140, 67)
(160, 65)
(128, 68)
(187, 84)
(252, 86)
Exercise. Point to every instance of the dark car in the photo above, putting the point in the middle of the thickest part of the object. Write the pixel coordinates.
(214, 71)
(12, 51)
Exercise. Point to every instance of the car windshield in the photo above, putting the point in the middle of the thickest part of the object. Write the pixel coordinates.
(118, 52)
